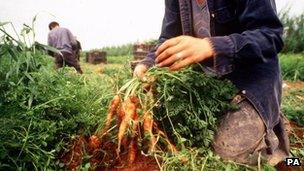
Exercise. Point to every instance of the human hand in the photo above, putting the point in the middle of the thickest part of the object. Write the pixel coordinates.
(140, 71)
(182, 51)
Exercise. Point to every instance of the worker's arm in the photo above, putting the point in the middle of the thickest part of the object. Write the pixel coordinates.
(260, 40)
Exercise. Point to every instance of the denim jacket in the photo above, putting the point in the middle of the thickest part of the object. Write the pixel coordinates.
(246, 38)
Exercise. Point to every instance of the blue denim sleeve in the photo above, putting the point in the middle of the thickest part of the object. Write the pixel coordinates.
(171, 27)
(260, 40)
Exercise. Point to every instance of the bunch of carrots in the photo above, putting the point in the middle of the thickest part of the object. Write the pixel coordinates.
(130, 113)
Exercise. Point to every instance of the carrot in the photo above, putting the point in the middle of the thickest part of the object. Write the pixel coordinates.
(132, 151)
(133, 146)
(112, 110)
(147, 126)
(94, 142)
(134, 100)
(130, 110)
(121, 114)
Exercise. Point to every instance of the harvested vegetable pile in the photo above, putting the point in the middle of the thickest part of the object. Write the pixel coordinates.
(163, 115)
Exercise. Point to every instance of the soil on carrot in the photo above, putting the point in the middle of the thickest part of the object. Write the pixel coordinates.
(104, 157)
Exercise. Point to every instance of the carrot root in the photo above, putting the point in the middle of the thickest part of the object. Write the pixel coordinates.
(129, 109)
(147, 126)
(112, 111)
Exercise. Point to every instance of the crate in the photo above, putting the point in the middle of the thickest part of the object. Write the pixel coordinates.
(96, 57)
(140, 51)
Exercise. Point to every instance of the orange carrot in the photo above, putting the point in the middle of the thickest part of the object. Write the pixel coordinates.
(133, 146)
(112, 110)
(134, 100)
(94, 142)
(129, 109)
(132, 151)
(147, 126)
(120, 115)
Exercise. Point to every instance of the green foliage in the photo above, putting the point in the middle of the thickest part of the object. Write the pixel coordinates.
(292, 66)
(293, 32)
(201, 159)
(293, 106)
(187, 105)
(293, 109)
(190, 104)
(121, 50)
(42, 110)
(42, 117)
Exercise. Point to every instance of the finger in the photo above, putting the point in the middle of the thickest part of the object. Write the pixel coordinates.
(168, 52)
(173, 59)
(139, 71)
(183, 63)
(137, 74)
(167, 44)
(168, 62)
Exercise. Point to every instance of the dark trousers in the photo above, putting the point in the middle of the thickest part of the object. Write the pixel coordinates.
(67, 59)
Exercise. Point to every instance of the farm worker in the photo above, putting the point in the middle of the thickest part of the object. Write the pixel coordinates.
(238, 40)
(62, 39)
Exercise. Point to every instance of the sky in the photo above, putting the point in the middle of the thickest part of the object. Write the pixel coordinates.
(99, 23)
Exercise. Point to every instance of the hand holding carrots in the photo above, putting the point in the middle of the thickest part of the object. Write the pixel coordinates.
(179, 52)
(182, 51)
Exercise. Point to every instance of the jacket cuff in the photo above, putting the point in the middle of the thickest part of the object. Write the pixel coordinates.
(224, 52)
(149, 60)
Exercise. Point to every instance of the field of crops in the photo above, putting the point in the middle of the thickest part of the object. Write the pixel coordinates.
(105, 119)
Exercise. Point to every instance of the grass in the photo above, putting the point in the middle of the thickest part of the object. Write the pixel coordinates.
(293, 32)
(293, 100)
(293, 109)
(292, 66)
(41, 116)
(43, 110)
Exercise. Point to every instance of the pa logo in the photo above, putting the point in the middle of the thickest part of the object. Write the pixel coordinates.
(292, 162)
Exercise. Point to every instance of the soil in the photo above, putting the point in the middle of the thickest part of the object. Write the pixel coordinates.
(73, 158)
(141, 163)
(288, 85)
(104, 157)
(298, 132)
(282, 167)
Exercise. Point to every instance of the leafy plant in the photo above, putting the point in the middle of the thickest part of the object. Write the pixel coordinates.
(190, 103)
(293, 32)
(292, 66)
(42, 110)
